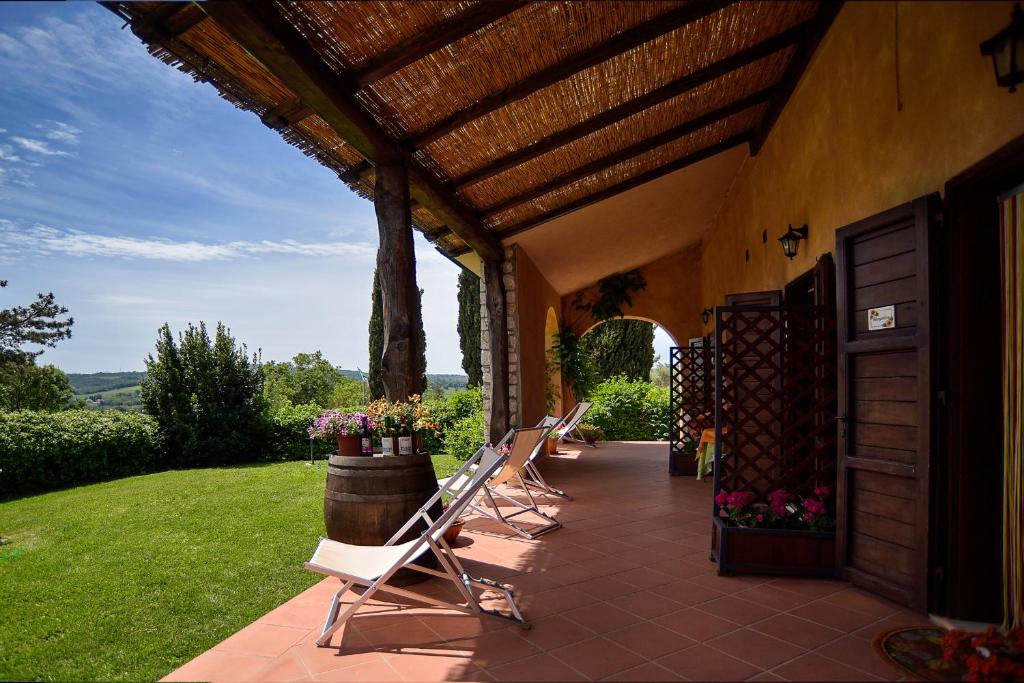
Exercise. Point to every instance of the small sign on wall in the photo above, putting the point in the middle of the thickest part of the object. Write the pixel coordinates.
(882, 318)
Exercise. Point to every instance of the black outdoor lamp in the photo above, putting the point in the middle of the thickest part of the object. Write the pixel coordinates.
(705, 315)
(1007, 51)
(791, 240)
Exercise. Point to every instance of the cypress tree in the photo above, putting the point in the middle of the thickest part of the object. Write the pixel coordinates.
(621, 347)
(376, 330)
(469, 326)
(375, 380)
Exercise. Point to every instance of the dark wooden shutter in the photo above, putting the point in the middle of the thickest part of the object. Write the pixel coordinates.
(885, 397)
(770, 298)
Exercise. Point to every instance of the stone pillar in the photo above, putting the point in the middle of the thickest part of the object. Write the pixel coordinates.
(502, 405)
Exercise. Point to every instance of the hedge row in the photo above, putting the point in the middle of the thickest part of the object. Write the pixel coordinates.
(42, 451)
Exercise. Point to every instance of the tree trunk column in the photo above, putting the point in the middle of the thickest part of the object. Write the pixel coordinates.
(396, 267)
(494, 351)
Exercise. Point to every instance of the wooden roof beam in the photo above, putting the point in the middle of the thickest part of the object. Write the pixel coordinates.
(167, 22)
(666, 92)
(628, 184)
(688, 13)
(281, 49)
(433, 39)
(636, 149)
(817, 28)
(286, 114)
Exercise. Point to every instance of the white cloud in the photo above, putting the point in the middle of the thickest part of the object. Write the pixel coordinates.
(3, 130)
(62, 132)
(127, 300)
(7, 153)
(38, 146)
(42, 239)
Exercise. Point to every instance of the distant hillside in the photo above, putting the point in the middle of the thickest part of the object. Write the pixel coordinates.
(96, 382)
(442, 381)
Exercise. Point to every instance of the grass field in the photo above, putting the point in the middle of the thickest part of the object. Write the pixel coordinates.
(127, 580)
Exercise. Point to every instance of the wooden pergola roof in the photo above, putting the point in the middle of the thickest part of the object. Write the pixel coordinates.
(508, 113)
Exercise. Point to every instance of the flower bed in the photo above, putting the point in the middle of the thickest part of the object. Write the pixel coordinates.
(786, 535)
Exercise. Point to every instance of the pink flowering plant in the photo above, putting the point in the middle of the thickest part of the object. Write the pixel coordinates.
(783, 510)
(334, 423)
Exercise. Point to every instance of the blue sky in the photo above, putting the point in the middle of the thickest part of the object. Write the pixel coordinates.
(139, 196)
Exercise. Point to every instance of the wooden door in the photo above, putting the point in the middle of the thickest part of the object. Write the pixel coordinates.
(885, 402)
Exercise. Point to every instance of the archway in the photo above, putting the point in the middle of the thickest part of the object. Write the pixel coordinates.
(553, 389)
(663, 342)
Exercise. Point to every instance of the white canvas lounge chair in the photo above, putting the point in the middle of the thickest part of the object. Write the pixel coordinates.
(525, 444)
(531, 474)
(569, 428)
(372, 566)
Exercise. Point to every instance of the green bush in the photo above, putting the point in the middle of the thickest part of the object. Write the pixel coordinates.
(41, 451)
(630, 411)
(464, 437)
(448, 411)
(288, 437)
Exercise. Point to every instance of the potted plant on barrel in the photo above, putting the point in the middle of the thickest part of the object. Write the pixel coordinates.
(406, 422)
(347, 428)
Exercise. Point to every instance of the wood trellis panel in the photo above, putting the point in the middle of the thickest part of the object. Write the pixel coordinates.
(775, 398)
(691, 390)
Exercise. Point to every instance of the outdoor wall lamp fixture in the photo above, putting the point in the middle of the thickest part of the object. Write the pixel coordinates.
(1006, 49)
(705, 315)
(791, 240)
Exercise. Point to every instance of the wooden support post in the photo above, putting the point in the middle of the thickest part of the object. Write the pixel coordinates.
(396, 266)
(497, 349)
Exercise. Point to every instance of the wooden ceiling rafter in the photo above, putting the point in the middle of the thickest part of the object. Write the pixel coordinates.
(633, 150)
(692, 11)
(722, 67)
(628, 184)
(816, 30)
(277, 45)
(433, 39)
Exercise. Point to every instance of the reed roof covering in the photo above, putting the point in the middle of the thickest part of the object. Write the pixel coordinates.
(510, 112)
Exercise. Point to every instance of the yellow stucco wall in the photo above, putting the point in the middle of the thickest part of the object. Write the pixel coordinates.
(534, 298)
(672, 298)
(841, 151)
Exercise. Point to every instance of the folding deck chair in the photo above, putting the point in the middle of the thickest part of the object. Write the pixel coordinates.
(372, 566)
(526, 443)
(531, 474)
(570, 424)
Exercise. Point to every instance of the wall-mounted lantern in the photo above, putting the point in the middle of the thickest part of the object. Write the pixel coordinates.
(791, 240)
(1006, 49)
(705, 315)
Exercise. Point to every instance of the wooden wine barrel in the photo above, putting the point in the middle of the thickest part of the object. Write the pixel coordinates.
(368, 499)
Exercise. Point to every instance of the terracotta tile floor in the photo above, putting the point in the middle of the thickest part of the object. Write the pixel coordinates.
(624, 591)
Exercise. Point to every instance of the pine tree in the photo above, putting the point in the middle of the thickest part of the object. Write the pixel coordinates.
(374, 377)
(469, 326)
(621, 347)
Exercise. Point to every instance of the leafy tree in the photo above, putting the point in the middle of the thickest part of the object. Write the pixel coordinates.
(469, 326)
(660, 373)
(621, 347)
(37, 323)
(27, 386)
(309, 379)
(375, 378)
(207, 397)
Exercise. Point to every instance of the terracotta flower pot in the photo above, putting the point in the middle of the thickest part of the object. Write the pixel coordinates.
(552, 446)
(451, 534)
(349, 446)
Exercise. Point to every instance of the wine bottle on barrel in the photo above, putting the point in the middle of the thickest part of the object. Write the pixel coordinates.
(405, 439)
(366, 438)
(387, 439)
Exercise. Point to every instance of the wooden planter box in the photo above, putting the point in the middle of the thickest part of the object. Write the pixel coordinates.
(739, 550)
(682, 464)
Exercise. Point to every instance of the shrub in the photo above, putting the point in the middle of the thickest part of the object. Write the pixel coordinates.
(288, 437)
(630, 411)
(464, 437)
(591, 434)
(448, 411)
(41, 451)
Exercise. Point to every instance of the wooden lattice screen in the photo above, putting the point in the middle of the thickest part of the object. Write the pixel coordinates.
(775, 398)
(691, 391)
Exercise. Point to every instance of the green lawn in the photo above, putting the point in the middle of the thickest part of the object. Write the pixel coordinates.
(127, 580)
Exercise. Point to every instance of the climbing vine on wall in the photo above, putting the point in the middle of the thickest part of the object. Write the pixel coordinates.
(613, 294)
